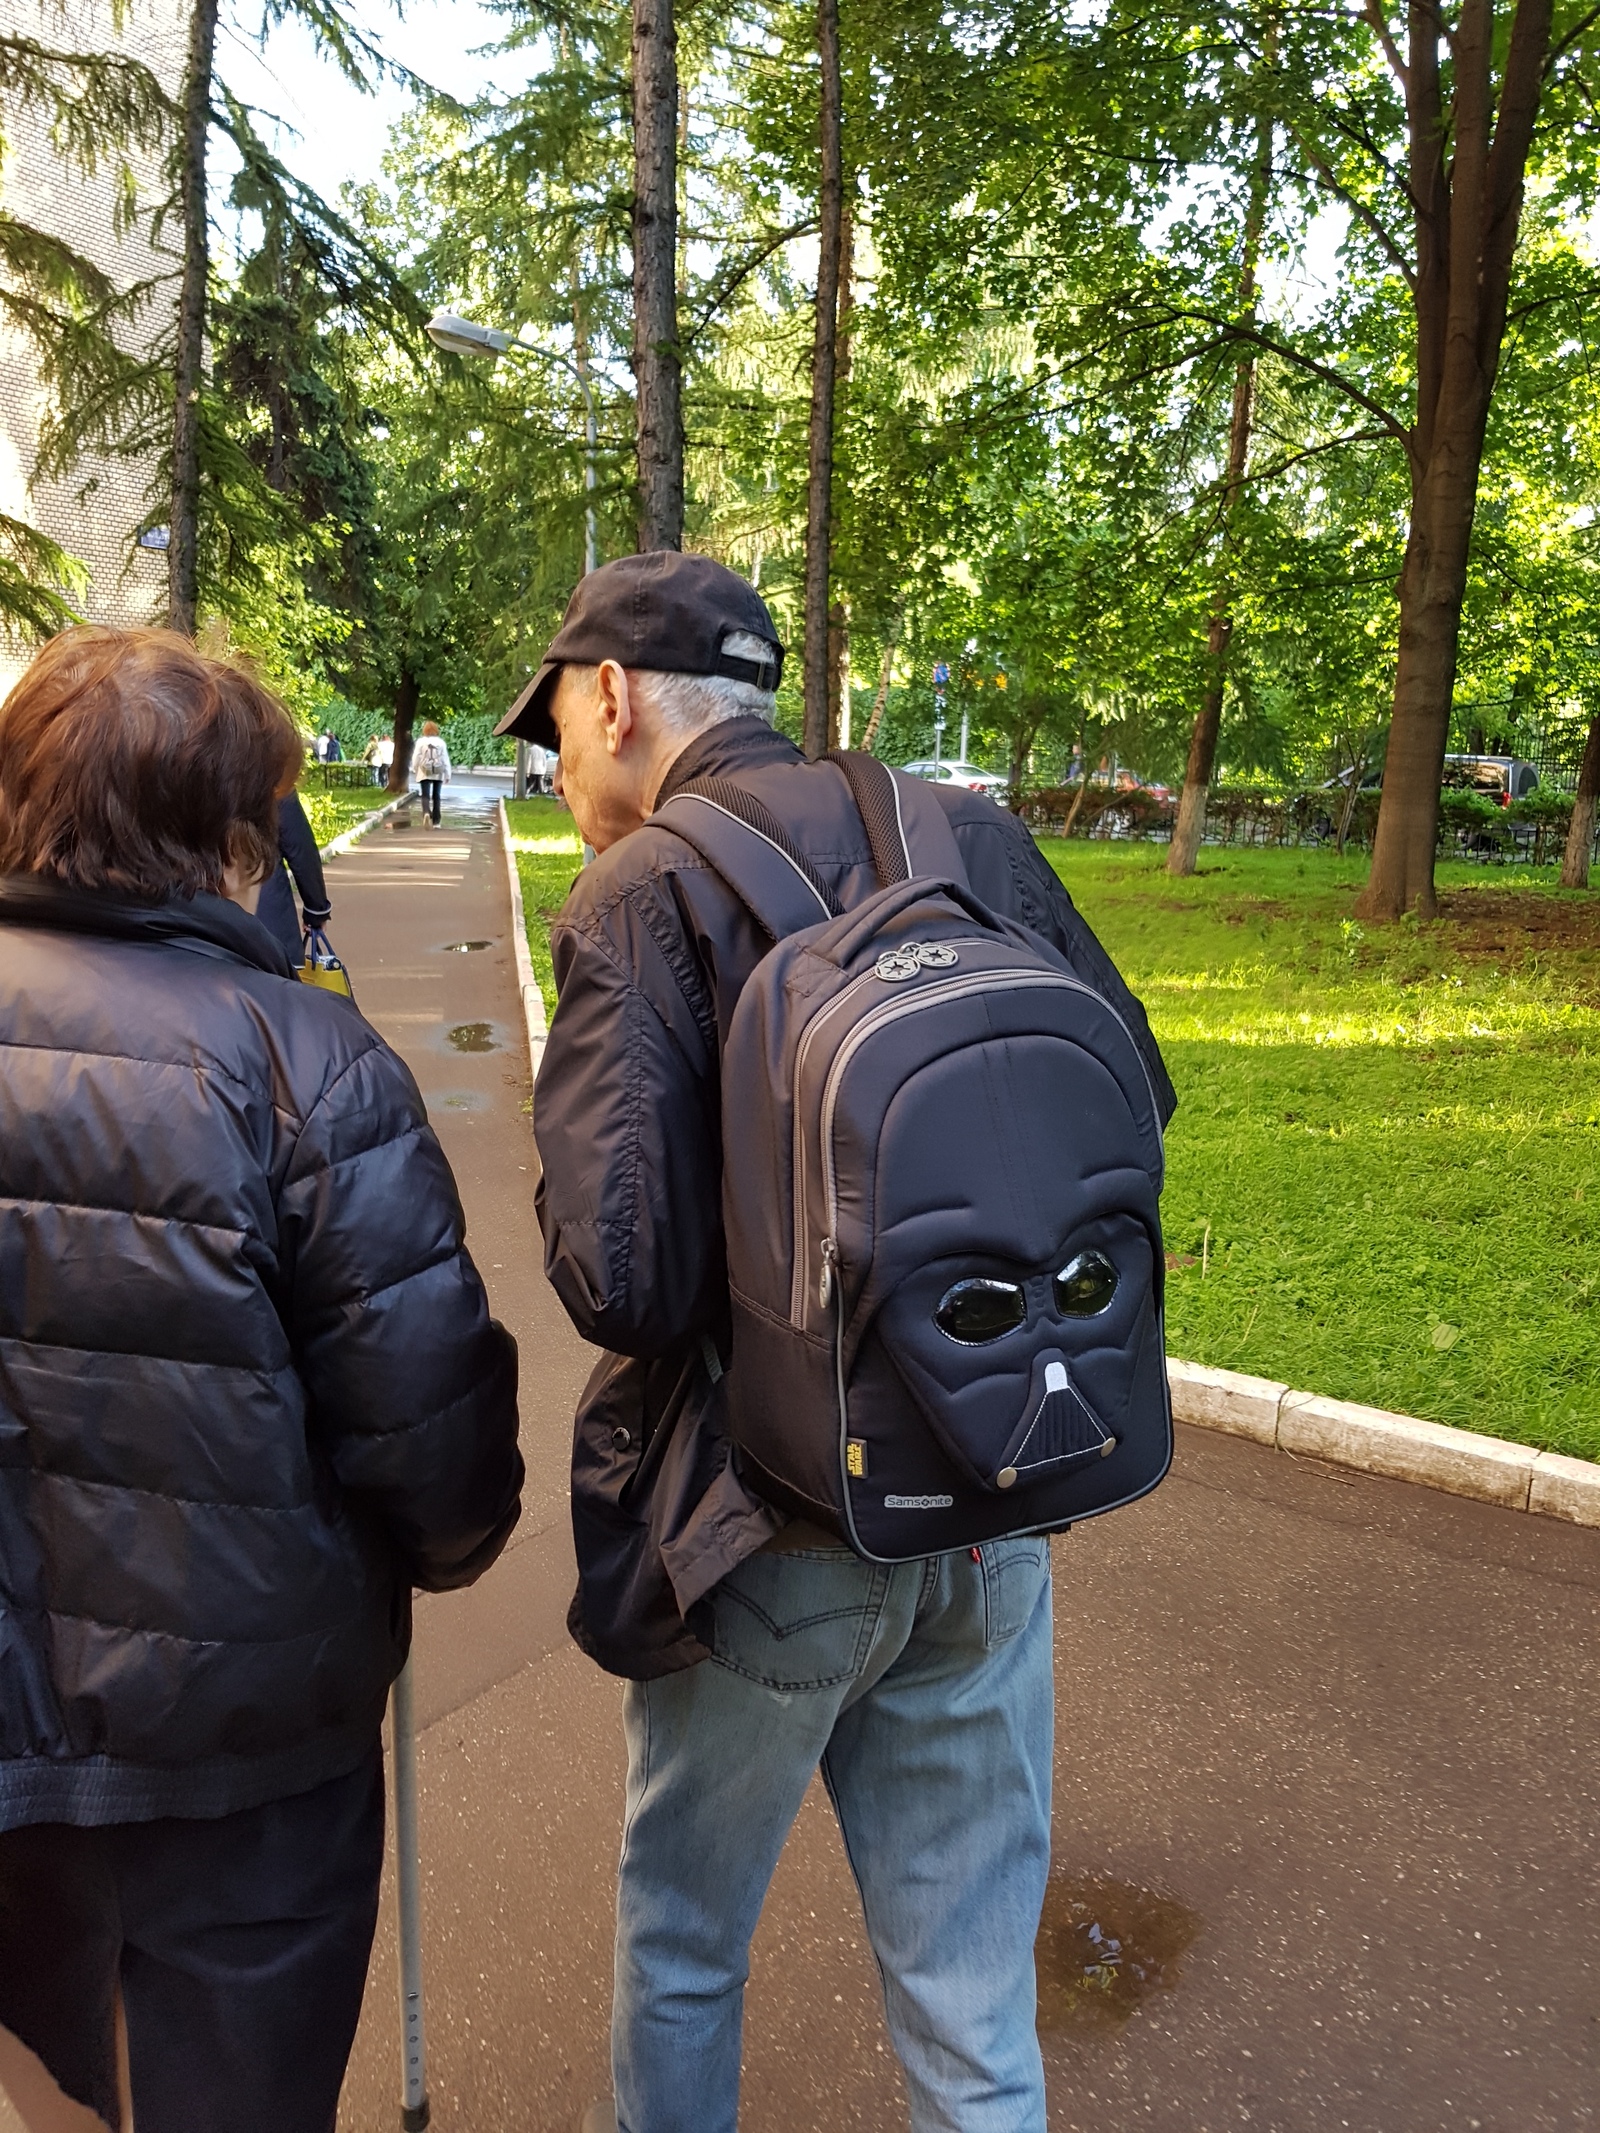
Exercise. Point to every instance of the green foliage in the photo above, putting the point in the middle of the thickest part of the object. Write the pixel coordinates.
(332, 811)
(353, 724)
(469, 735)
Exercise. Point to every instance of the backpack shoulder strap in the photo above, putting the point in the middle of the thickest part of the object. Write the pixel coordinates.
(743, 841)
(908, 830)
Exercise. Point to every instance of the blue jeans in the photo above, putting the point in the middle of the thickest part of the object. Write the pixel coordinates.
(925, 1693)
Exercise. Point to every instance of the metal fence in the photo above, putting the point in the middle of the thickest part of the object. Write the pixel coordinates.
(1529, 833)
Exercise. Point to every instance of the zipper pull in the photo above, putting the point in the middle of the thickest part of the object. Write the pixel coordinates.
(830, 1259)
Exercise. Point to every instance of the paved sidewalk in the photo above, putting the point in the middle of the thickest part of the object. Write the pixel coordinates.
(422, 918)
(1326, 1753)
(1326, 1744)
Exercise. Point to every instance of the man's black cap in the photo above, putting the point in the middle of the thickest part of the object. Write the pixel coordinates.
(665, 611)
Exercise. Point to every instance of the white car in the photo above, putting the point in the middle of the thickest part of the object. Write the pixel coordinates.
(967, 774)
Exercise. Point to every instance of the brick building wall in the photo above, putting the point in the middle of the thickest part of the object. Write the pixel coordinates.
(126, 584)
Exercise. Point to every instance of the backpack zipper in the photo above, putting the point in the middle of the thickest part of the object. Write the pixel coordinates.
(800, 1244)
(941, 989)
(800, 1251)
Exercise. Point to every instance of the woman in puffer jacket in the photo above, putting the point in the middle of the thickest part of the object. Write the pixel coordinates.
(250, 1395)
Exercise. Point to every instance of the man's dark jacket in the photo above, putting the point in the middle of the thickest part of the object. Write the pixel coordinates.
(651, 952)
(250, 1391)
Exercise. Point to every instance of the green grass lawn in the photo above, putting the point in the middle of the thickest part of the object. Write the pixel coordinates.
(1385, 1170)
(329, 813)
(549, 853)
(1385, 1167)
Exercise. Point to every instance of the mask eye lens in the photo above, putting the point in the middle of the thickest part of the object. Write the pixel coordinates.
(978, 1311)
(1085, 1285)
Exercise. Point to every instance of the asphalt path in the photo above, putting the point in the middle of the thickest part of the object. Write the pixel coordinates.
(1326, 1762)
(1326, 1805)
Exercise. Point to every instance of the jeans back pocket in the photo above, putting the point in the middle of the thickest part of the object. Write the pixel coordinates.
(799, 1620)
(1015, 1573)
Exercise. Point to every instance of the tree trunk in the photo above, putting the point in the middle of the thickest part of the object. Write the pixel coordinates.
(406, 699)
(1467, 212)
(824, 354)
(838, 669)
(656, 359)
(1433, 585)
(1189, 828)
(1022, 740)
(882, 697)
(1083, 787)
(1580, 837)
(1347, 813)
(183, 534)
(839, 610)
(580, 363)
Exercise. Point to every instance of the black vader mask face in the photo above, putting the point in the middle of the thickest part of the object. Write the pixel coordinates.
(1025, 1367)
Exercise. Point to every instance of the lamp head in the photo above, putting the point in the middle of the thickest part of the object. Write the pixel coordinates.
(464, 337)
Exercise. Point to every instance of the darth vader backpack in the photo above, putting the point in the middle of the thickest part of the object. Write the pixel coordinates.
(941, 1167)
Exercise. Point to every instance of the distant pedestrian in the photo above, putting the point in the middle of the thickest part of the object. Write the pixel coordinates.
(326, 748)
(297, 857)
(430, 766)
(250, 1396)
(372, 756)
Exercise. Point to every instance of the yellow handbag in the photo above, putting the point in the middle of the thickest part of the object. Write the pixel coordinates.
(322, 967)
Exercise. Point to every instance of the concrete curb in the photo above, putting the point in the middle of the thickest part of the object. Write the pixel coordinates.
(1374, 1442)
(346, 838)
(527, 983)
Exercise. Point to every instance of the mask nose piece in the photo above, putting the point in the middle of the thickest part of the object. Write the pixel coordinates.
(1058, 1429)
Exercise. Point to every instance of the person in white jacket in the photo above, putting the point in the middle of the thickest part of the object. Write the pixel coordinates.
(430, 766)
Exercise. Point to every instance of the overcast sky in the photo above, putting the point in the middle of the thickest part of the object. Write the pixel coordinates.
(342, 134)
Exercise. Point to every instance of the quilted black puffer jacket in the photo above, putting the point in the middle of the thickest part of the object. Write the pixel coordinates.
(250, 1391)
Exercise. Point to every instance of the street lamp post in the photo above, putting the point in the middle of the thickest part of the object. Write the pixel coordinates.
(465, 337)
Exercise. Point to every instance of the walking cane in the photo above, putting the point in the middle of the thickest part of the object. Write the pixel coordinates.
(408, 1880)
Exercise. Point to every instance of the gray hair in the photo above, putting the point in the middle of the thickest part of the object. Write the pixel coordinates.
(685, 703)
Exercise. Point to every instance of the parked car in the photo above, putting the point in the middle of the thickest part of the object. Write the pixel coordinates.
(1371, 779)
(1501, 778)
(967, 774)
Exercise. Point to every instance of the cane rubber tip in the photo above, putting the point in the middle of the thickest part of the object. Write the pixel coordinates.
(414, 2117)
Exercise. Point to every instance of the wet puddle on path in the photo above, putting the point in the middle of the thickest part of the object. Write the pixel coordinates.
(464, 947)
(456, 1100)
(472, 1037)
(1104, 1947)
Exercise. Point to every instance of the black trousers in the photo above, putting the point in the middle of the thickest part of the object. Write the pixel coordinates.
(240, 1946)
(430, 796)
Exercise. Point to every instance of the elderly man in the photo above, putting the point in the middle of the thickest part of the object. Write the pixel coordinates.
(757, 1647)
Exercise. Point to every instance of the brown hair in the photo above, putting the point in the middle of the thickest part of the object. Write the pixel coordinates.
(131, 762)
